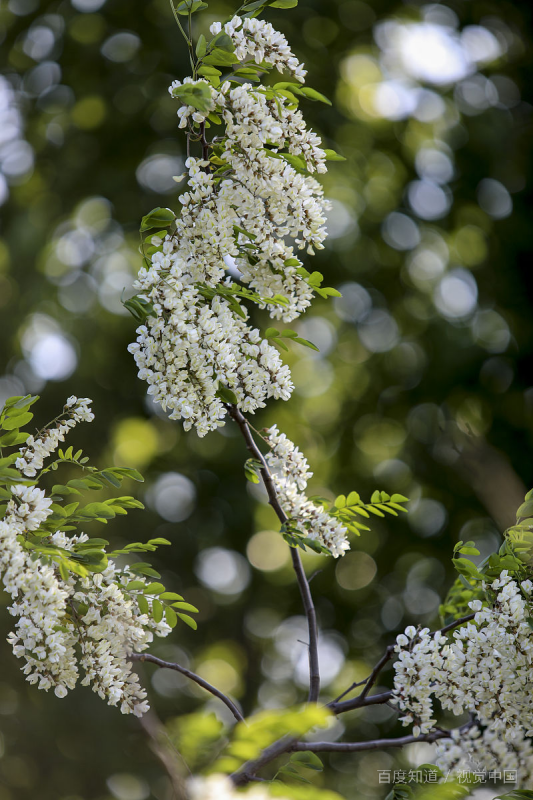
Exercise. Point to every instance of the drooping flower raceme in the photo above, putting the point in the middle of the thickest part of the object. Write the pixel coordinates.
(68, 621)
(290, 473)
(258, 40)
(252, 203)
(485, 670)
(36, 449)
(192, 345)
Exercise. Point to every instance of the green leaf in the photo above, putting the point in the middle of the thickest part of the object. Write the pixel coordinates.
(189, 621)
(190, 7)
(13, 438)
(139, 307)
(399, 498)
(252, 468)
(186, 607)
(525, 510)
(21, 402)
(223, 42)
(331, 155)
(296, 162)
(142, 602)
(197, 95)
(154, 588)
(96, 511)
(517, 794)
(283, 4)
(110, 478)
(201, 46)
(309, 760)
(157, 610)
(306, 343)
(128, 472)
(209, 72)
(219, 57)
(171, 616)
(271, 333)
(158, 218)
(18, 421)
(144, 569)
(312, 94)
(226, 395)
(170, 596)
(135, 585)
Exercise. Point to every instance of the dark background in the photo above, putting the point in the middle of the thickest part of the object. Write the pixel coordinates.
(423, 385)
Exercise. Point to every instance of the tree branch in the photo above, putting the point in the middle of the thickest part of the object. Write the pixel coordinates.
(193, 676)
(291, 745)
(359, 702)
(376, 744)
(248, 771)
(456, 623)
(305, 591)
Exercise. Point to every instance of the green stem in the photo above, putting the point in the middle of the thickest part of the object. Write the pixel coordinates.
(180, 26)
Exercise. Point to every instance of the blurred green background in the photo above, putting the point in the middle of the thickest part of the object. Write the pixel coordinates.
(422, 386)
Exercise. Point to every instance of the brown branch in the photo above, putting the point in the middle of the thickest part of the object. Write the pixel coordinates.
(456, 623)
(193, 677)
(305, 591)
(248, 771)
(359, 702)
(376, 744)
(291, 745)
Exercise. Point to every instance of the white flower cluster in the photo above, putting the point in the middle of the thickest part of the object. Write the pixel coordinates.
(109, 631)
(256, 211)
(193, 344)
(486, 670)
(94, 618)
(254, 38)
(271, 200)
(221, 787)
(290, 474)
(38, 598)
(488, 751)
(38, 448)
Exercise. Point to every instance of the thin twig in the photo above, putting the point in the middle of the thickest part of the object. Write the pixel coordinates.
(193, 677)
(359, 702)
(205, 143)
(305, 591)
(456, 623)
(354, 685)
